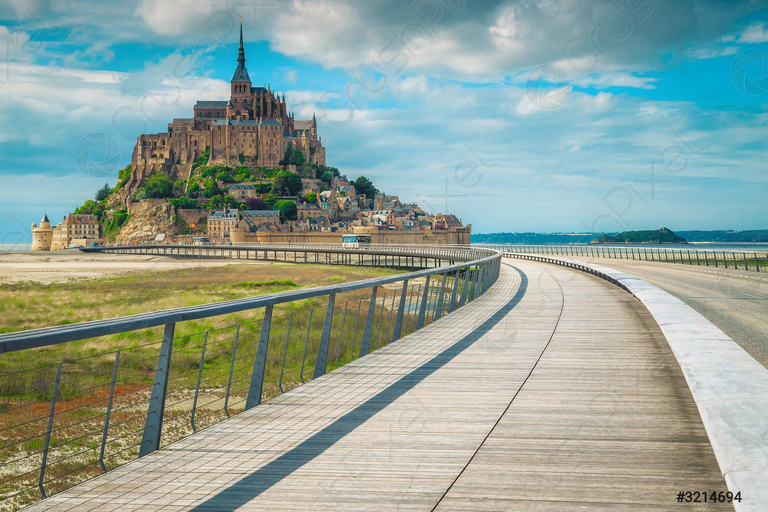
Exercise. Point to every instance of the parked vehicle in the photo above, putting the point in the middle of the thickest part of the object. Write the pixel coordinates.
(355, 240)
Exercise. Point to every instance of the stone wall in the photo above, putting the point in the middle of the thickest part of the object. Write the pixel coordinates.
(453, 236)
(138, 207)
(192, 215)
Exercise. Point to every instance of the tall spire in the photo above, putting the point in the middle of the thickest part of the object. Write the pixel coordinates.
(241, 52)
(241, 74)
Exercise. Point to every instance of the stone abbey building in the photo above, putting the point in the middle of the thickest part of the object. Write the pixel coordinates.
(254, 127)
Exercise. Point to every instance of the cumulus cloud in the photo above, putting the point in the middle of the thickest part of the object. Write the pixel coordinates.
(754, 33)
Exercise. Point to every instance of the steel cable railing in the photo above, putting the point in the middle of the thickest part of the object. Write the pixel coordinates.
(66, 422)
(697, 256)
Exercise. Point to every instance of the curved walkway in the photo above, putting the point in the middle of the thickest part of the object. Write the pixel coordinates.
(554, 390)
(734, 300)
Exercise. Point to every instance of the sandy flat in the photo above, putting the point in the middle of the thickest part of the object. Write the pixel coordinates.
(65, 266)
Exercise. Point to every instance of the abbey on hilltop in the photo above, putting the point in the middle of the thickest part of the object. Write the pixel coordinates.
(254, 127)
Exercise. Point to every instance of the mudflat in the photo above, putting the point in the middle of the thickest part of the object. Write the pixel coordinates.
(73, 265)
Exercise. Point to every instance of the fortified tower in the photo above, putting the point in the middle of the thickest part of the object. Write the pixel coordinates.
(42, 237)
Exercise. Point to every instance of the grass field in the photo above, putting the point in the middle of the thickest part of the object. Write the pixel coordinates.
(219, 352)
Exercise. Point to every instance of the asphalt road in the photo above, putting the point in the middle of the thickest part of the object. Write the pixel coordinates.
(735, 301)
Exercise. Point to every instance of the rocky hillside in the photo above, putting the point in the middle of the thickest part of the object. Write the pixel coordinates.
(144, 225)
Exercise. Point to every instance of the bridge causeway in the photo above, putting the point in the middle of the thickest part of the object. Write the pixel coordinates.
(553, 390)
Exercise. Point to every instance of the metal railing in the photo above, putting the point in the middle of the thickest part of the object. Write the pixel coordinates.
(153, 378)
(739, 260)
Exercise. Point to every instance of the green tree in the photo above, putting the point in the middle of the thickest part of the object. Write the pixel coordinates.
(287, 210)
(184, 202)
(286, 183)
(311, 197)
(292, 156)
(365, 187)
(87, 207)
(255, 203)
(123, 175)
(327, 177)
(103, 193)
(211, 188)
(224, 176)
(158, 185)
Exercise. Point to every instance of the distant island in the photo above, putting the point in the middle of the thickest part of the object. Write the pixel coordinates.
(659, 236)
(561, 238)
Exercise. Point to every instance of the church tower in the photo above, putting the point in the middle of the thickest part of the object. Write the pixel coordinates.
(241, 98)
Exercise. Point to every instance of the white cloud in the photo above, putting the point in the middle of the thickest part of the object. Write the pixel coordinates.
(173, 17)
(615, 79)
(712, 53)
(754, 33)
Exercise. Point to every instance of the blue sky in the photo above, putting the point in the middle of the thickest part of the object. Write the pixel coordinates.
(515, 115)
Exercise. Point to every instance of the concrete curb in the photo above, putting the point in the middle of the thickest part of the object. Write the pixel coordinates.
(729, 386)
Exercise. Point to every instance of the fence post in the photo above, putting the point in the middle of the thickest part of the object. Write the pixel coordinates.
(285, 351)
(397, 331)
(365, 342)
(341, 333)
(325, 339)
(50, 428)
(465, 286)
(197, 387)
(257, 375)
(473, 286)
(454, 292)
(231, 370)
(109, 411)
(381, 319)
(306, 344)
(441, 299)
(153, 426)
(354, 330)
(423, 306)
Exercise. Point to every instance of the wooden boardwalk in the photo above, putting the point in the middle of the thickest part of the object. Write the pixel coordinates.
(553, 391)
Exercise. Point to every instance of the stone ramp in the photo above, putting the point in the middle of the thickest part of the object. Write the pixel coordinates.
(554, 390)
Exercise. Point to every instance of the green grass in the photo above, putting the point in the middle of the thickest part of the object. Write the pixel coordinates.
(27, 377)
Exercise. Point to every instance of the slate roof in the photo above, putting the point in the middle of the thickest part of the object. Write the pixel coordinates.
(211, 104)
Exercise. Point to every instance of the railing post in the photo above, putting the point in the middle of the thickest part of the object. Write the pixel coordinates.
(285, 351)
(398, 329)
(465, 286)
(391, 313)
(50, 428)
(153, 426)
(365, 342)
(109, 411)
(423, 306)
(325, 339)
(454, 292)
(197, 387)
(441, 299)
(480, 281)
(341, 333)
(381, 318)
(306, 344)
(231, 370)
(354, 330)
(473, 285)
(257, 375)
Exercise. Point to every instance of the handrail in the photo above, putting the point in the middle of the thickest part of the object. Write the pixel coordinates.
(694, 256)
(469, 272)
(46, 336)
